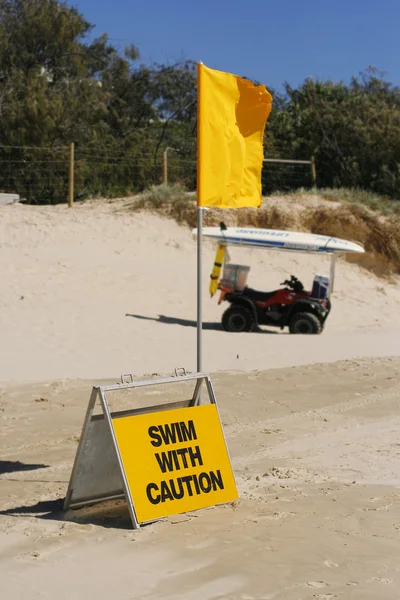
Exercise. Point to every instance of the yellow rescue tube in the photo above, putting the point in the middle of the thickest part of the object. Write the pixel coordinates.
(219, 259)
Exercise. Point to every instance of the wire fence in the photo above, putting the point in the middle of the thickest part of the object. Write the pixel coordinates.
(35, 174)
(285, 175)
(53, 175)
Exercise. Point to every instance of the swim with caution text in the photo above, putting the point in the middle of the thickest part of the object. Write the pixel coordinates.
(175, 461)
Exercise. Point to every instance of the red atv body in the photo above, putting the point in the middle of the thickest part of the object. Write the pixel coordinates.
(290, 306)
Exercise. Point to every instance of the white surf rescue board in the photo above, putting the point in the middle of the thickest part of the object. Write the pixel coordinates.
(280, 240)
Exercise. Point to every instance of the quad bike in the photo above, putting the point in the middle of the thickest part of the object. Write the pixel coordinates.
(291, 306)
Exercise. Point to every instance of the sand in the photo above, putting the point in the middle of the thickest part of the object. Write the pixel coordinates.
(99, 290)
(311, 423)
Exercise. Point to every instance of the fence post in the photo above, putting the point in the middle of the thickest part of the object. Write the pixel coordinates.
(165, 167)
(71, 176)
(313, 172)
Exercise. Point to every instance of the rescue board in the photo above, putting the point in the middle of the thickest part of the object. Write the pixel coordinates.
(275, 239)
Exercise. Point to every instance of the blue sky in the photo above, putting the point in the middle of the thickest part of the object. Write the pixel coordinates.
(271, 41)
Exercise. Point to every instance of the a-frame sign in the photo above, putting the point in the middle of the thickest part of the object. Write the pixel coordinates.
(163, 459)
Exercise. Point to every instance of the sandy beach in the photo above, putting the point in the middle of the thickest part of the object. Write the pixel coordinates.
(312, 423)
(100, 290)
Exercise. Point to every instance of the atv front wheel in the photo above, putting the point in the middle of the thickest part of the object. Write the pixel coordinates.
(237, 319)
(305, 323)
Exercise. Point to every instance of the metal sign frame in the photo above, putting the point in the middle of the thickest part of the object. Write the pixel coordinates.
(98, 472)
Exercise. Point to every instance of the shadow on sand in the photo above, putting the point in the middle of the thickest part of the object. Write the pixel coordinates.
(105, 514)
(188, 323)
(13, 466)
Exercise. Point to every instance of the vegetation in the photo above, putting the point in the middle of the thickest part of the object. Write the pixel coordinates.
(58, 87)
(171, 201)
(376, 202)
(350, 219)
(352, 130)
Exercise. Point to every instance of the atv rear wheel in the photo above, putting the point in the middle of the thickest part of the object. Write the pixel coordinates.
(305, 323)
(237, 319)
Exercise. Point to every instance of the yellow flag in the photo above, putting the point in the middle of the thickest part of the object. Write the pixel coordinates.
(219, 259)
(232, 113)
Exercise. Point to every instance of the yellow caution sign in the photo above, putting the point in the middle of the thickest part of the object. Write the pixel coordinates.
(175, 461)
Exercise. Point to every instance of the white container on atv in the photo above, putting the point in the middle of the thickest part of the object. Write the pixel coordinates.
(234, 277)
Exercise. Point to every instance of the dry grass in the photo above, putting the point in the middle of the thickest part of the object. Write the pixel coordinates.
(380, 235)
(377, 203)
(171, 201)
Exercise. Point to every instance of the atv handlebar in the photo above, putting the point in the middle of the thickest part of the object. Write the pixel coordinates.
(294, 284)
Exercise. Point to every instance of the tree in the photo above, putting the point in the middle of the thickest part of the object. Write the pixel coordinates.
(353, 131)
(56, 87)
(48, 79)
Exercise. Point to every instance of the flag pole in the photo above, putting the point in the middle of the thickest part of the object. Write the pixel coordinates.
(199, 290)
(199, 237)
